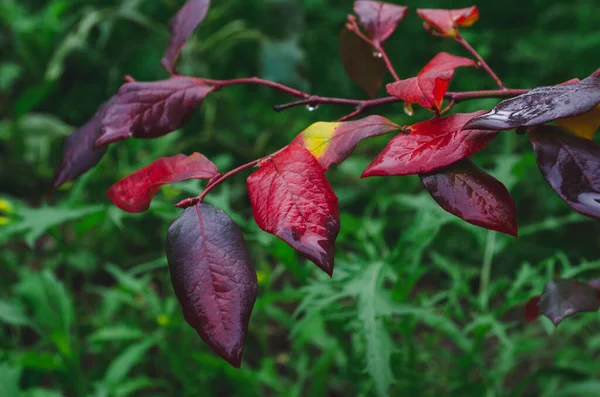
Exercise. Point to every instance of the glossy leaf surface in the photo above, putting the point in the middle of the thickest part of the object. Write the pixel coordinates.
(181, 28)
(292, 199)
(445, 62)
(446, 22)
(135, 192)
(541, 105)
(332, 143)
(465, 190)
(379, 18)
(150, 110)
(430, 145)
(79, 151)
(364, 69)
(571, 165)
(212, 278)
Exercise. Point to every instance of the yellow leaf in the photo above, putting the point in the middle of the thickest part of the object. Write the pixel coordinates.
(584, 125)
(317, 137)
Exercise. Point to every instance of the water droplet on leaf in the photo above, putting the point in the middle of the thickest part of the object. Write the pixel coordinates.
(311, 108)
(377, 54)
(408, 109)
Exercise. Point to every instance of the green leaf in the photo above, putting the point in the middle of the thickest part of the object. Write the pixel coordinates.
(115, 333)
(9, 380)
(12, 314)
(121, 366)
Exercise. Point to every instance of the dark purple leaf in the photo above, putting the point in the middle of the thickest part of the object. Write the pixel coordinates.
(541, 105)
(150, 110)
(571, 165)
(465, 190)
(181, 28)
(212, 278)
(563, 298)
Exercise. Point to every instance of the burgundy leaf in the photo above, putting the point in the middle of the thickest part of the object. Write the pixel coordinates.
(362, 66)
(531, 309)
(181, 28)
(465, 190)
(292, 199)
(79, 151)
(212, 278)
(135, 192)
(150, 110)
(431, 145)
(379, 18)
(571, 165)
(541, 105)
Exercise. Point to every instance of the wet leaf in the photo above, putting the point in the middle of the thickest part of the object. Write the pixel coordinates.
(446, 22)
(181, 28)
(379, 18)
(541, 105)
(135, 192)
(332, 143)
(430, 145)
(571, 165)
(362, 66)
(212, 278)
(292, 199)
(150, 110)
(465, 190)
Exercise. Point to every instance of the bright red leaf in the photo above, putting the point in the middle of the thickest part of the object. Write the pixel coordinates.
(445, 62)
(292, 199)
(135, 192)
(571, 165)
(379, 18)
(212, 278)
(181, 28)
(150, 110)
(446, 22)
(465, 190)
(430, 145)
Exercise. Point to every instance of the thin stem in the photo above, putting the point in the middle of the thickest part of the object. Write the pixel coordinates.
(388, 63)
(461, 40)
(486, 268)
(255, 80)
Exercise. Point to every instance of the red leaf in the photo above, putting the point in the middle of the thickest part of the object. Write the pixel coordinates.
(379, 18)
(571, 165)
(465, 190)
(181, 28)
(150, 110)
(447, 21)
(531, 309)
(135, 192)
(444, 62)
(363, 68)
(292, 199)
(79, 151)
(332, 143)
(212, 278)
(431, 145)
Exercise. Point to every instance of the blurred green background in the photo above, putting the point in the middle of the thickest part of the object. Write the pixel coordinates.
(421, 304)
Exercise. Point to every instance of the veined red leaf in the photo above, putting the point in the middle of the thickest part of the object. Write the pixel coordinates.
(430, 145)
(135, 192)
(563, 298)
(446, 22)
(363, 68)
(292, 199)
(571, 165)
(181, 28)
(212, 278)
(541, 105)
(153, 109)
(79, 151)
(379, 18)
(444, 62)
(332, 143)
(465, 190)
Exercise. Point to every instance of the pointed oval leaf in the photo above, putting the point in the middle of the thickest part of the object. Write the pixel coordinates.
(181, 28)
(79, 151)
(431, 145)
(364, 69)
(446, 22)
(292, 199)
(153, 109)
(427, 90)
(212, 278)
(465, 190)
(563, 298)
(332, 143)
(571, 165)
(379, 18)
(541, 105)
(135, 192)
(444, 62)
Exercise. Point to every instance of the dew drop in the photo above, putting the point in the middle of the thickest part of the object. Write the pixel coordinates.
(408, 109)
(377, 54)
(311, 108)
